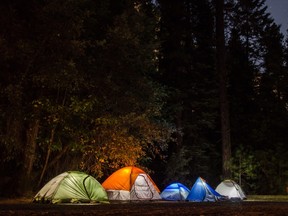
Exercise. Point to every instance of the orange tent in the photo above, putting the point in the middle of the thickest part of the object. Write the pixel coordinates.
(131, 183)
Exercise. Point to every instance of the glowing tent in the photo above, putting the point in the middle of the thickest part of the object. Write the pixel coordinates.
(131, 183)
(202, 192)
(175, 191)
(72, 186)
(230, 189)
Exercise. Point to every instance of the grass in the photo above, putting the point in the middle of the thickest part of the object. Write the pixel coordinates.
(20, 200)
(275, 198)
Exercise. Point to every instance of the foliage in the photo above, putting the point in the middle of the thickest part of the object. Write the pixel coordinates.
(90, 90)
(258, 109)
(244, 167)
(187, 67)
(178, 167)
(273, 172)
(96, 85)
(121, 141)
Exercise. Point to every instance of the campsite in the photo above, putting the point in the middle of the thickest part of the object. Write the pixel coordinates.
(131, 191)
(130, 184)
(143, 107)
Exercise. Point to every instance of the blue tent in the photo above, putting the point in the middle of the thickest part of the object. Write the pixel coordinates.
(175, 191)
(202, 192)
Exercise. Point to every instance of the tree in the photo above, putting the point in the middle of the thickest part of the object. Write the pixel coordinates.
(128, 122)
(186, 66)
(272, 89)
(255, 56)
(224, 103)
(79, 90)
(39, 51)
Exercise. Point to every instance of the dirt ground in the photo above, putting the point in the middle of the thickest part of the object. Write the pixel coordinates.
(147, 208)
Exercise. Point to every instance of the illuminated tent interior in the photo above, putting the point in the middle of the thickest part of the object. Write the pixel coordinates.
(131, 183)
(202, 192)
(175, 191)
(231, 189)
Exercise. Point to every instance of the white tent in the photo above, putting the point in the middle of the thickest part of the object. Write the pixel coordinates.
(230, 189)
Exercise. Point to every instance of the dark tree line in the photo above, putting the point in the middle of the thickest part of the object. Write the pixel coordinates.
(97, 85)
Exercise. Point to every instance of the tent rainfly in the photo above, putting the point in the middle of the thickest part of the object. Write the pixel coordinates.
(202, 192)
(130, 183)
(231, 190)
(72, 187)
(175, 191)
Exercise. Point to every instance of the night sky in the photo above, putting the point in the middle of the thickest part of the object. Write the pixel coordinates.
(279, 11)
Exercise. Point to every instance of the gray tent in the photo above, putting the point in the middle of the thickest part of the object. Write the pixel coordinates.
(231, 190)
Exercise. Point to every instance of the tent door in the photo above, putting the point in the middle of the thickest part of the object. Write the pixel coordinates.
(141, 188)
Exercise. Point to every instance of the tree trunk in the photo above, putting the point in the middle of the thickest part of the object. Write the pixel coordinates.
(47, 156)
(30, 154)
(224, 105)
(57, 158)
(179, 134)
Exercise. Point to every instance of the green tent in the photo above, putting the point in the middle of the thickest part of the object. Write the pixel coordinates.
(72, 187)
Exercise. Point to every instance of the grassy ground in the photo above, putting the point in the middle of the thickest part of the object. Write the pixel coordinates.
(256, 205)
(157, 208)
(21, 200)
(273, 198)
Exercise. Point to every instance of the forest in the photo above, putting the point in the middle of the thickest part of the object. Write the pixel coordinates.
(182, 89)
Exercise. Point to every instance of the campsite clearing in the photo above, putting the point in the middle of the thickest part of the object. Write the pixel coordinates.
(148, 208)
